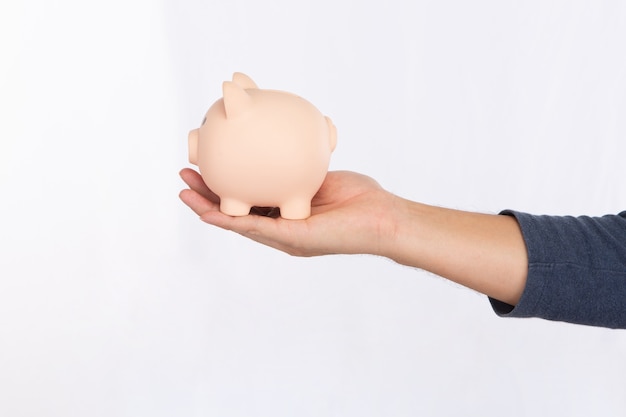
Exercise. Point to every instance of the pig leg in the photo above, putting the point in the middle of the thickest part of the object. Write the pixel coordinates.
(296, 209)
(234, 207)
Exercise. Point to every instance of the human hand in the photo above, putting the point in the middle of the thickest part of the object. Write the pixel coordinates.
(349, 214)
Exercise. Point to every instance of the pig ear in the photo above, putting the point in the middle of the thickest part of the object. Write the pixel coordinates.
(243, 80)
(236, 99)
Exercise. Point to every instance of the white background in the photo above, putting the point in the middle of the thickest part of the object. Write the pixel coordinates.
(116, 301)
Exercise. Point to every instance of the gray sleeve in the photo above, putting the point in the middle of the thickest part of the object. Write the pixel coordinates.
(576, 270)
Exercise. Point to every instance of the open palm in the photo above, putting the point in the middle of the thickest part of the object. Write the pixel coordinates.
(349, 214)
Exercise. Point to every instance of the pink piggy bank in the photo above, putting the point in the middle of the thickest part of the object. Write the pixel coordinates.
(262, 148)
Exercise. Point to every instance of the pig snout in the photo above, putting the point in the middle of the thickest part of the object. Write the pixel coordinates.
(332, 132)
(193, 146)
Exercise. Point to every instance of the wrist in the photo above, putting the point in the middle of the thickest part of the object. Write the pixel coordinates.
(405, 235)
(484, 252)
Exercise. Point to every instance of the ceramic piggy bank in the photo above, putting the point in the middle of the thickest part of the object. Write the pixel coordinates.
(262, 148)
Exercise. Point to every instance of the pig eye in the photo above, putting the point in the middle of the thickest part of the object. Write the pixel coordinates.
(203, 121)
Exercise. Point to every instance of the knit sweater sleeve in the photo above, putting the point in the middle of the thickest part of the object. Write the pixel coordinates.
(576, 270)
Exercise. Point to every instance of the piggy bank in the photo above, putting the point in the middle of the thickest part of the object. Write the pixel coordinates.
(262, 148)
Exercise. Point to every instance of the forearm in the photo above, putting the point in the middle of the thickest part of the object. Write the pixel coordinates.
(484, 252)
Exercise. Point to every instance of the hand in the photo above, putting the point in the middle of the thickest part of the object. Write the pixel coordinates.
(349, 214)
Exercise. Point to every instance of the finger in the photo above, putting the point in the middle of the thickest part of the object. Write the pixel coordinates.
(196, 183)
(197, 202)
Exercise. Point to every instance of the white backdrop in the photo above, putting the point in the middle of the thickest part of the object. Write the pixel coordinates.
(116, 301)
